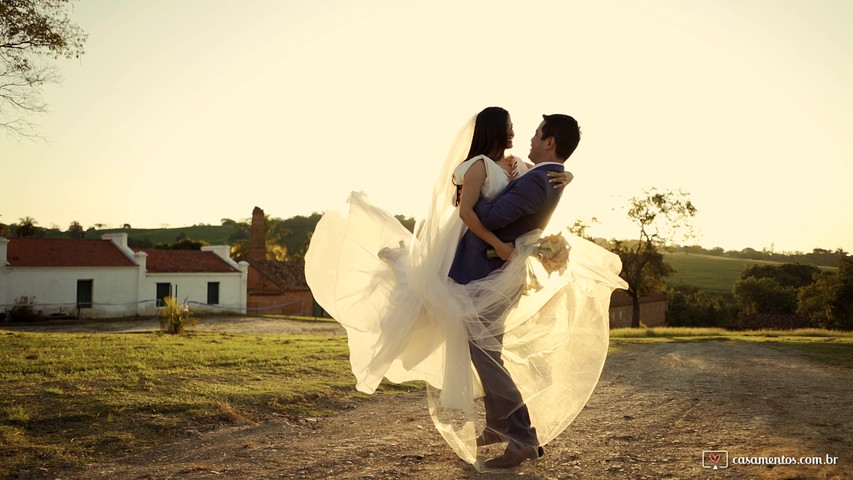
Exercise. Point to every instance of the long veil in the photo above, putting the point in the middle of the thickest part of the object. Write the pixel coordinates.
(406, 320)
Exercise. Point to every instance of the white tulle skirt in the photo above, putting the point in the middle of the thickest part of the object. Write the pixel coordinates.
(407, 321)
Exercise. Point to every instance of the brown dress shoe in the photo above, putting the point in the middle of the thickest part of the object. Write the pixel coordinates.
(514, 456)
(489, 437)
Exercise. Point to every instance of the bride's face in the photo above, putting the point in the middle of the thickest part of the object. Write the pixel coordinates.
(509, 133)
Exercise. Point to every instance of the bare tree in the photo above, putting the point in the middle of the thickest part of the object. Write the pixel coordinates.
(31, 33)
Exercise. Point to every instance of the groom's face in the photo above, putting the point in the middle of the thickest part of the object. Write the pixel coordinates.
(537, 145)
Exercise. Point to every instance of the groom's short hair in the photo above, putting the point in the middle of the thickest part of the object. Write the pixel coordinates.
(566, 133)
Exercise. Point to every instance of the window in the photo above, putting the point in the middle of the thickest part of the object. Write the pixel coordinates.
(213, 293)
(84, 293)
(163, 290)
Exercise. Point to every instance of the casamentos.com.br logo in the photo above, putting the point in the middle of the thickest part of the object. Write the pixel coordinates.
(715, 459)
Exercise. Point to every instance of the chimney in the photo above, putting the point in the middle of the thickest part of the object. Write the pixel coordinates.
(223, 252)
(257, 237)
(120, 241)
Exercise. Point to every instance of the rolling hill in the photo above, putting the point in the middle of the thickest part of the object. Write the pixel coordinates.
(710, 273)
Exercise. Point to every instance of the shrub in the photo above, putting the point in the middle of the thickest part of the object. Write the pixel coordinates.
(23, 310)
(690, 306)
(175, 317)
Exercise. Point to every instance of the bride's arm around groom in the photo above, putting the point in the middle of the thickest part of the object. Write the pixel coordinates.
(525, 204)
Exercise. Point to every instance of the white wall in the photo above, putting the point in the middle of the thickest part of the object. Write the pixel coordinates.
(119, 291)
(192, 287)
(113, 289)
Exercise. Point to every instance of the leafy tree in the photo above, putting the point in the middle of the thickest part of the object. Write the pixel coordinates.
(829, 300)
(644, 269)
(184, 243)
(239, 240)
(689, 306)
(306, 245)
(27, 227)
(842, 305)
(764, 295)
(581, 226)
(32, 31)
(662, 218)
(75, 230)
(772, 289)
(788, 275)
(300, 228)
(139, 243)
(814, 300)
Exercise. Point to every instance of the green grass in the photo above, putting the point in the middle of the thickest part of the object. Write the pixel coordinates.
(710, 273)
(73, 398)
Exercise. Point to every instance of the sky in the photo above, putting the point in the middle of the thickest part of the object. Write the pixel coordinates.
(184, 112)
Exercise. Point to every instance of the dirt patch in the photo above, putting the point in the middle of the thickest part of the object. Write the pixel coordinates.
(656, 409)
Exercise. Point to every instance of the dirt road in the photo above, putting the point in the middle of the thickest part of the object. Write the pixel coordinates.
(656, 409)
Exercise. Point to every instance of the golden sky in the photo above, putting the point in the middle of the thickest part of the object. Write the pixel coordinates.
(189, 111)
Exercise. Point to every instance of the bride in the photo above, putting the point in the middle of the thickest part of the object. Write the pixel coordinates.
(407, 321)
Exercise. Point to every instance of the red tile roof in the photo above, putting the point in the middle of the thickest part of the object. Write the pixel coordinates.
(185, 261)
(65, 252)
(289, 275)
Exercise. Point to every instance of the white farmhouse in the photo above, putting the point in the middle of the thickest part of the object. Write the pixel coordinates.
(105, 278)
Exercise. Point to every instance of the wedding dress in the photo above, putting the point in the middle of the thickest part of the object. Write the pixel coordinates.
(407, 321)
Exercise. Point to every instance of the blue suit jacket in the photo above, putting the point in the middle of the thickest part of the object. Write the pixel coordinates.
(524, 205)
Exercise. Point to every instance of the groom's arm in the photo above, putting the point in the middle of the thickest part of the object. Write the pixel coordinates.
(524, 197)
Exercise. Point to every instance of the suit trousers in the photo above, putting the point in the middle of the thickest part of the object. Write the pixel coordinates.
(506, 412)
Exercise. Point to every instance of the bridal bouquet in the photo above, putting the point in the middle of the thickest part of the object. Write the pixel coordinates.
(552, 251)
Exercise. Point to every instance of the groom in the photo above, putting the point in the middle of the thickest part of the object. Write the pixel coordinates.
(525, 204)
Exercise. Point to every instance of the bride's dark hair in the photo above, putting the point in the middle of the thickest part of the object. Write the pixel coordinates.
(489, 132)
(489, 137)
